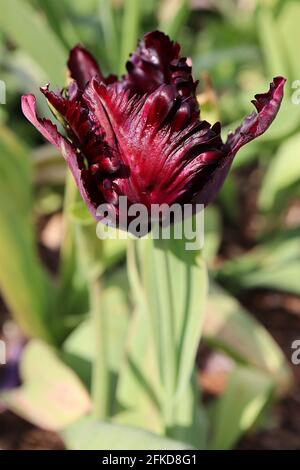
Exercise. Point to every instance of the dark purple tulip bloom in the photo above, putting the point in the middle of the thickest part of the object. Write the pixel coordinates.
(142, 136)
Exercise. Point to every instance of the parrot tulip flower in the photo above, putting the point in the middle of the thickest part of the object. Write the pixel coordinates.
(142, 136)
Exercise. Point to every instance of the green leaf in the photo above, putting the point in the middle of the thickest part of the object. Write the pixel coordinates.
(138, 390)
(59, 18)
(274, 264)
(191, 423)
(289, 35)
(51, 395)
(24, 28)
(247, 393)
(130, 30)
(80, 214)
(283, 171)
(97, 255)
(230, 327)
(24, 284)
(89, 434)
(80, 344)
(173, 15)
(271, 43)
(108, 26)
(172, 289)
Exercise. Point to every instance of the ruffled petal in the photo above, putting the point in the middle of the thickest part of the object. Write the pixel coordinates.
(156, 62)
(151, 144)
(148, 66)
(267, 105)
(69, 152)
(83, 67)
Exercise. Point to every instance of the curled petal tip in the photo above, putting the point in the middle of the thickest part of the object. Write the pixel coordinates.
(49, 132)
(275, 93)
(267, 106)
(44, 126)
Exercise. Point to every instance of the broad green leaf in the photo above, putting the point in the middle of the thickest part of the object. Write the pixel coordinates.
(108, 25)
(59, 18)
(283, 171)
(247, 393)
(100, 254)
(81, 344)
(83, 257)
(80, 214)
(23, 282)
(282, 278)
(271, 43)
(24, 28)
(88, 434)
(51, 395)
(274, 264)
(230, 327)
(138, 390)
(172, 286)
(81, 341)
(278, 36)
(191, 423)
(289, 35)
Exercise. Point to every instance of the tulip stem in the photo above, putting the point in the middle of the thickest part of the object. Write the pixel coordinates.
(168, 344)
(100, 373)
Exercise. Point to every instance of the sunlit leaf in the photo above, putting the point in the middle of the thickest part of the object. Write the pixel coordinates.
(81, 342)
(23, 282)
(130, 30)
(230, 327)
(88, 434)
(51, 395)
(271, 265)
(24, 28)
(247, 393)
(283, 171)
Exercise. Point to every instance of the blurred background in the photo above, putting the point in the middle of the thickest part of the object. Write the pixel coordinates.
(252, 231)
